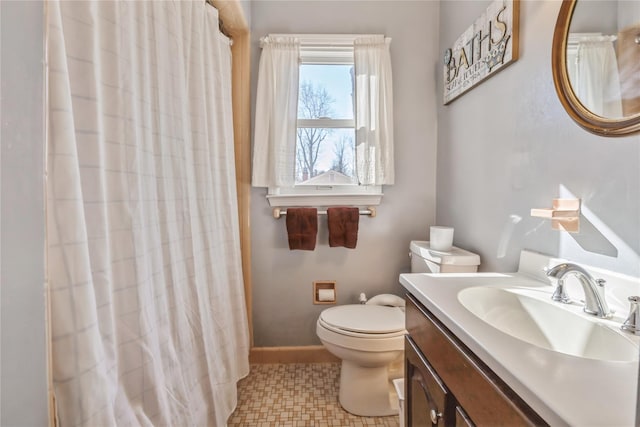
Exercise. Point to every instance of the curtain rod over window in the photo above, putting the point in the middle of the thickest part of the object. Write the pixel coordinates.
(325, 39)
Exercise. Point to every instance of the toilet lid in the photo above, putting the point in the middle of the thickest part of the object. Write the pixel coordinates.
(371, 319)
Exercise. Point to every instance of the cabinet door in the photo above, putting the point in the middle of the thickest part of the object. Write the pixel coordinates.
(425, 394)
(462, 419)
(486, 399)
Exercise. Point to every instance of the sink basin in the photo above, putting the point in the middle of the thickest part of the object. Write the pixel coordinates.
(547, 325)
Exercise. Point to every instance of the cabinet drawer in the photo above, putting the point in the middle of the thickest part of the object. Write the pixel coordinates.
(486, 399)
(426, 395)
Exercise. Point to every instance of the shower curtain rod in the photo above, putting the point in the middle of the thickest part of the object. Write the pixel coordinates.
(575, 38)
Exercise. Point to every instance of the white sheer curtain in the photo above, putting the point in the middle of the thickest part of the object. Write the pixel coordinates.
(276, 112)
(593, 71)
(148, 318)
(374, 111)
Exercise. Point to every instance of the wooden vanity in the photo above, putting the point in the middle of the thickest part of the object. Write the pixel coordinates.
(447, 385)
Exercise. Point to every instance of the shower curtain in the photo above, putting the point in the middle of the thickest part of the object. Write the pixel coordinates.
(148, 319)
(593, 71)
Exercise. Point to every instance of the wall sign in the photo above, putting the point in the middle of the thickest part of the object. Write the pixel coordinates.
(486, 47)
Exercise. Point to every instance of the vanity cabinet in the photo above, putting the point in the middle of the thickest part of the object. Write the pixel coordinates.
(447, 385)
(425, 391)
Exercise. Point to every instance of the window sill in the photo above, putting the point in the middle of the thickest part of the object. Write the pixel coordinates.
(287, 200)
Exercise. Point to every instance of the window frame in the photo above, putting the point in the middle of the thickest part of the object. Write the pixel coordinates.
(325, 50)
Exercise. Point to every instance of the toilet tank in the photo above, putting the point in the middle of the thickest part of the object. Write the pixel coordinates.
(426, 260)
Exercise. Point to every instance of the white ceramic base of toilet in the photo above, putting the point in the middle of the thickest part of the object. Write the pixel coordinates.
(366, 391)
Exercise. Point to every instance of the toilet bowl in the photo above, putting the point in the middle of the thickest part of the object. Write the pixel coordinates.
(370, 341)
(369, 338)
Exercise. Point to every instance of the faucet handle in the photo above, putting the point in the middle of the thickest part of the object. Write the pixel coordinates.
(632, 324)
(555, 275)
(560, 294)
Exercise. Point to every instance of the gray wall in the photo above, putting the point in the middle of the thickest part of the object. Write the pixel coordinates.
(508, 146)
(283, 312)
(596, 16)
(246, 9)
(503, 148)
(628, 13)
(23, 388)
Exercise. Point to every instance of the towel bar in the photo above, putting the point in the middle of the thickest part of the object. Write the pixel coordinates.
(371, 211)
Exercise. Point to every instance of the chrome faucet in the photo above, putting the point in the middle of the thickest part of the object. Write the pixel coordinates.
(593, 288)
(632, 324)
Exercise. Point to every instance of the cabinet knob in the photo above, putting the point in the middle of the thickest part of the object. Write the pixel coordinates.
(435, 416)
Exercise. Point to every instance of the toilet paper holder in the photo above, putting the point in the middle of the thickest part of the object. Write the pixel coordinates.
(324, 292)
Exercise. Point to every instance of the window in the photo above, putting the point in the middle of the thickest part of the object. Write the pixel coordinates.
(325, 143)
(321, 168)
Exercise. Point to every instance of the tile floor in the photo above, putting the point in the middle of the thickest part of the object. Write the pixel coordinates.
(293, 395)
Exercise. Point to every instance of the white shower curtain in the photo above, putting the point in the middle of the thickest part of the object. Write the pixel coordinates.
(148, 318)
(593, 72)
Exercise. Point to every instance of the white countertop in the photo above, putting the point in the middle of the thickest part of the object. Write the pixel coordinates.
(562, 389)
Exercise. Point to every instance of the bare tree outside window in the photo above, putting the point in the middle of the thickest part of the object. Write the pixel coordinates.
(343, 156)
(314, 102)
(325, 134)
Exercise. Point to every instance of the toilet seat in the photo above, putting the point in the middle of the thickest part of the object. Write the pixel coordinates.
(364, 321)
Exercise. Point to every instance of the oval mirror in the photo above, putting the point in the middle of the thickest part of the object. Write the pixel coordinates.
(596, 64)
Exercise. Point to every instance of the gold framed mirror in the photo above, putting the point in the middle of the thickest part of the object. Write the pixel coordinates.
(610, 107)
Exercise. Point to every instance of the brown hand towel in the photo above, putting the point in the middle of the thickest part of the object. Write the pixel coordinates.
(343, 226)
(302, 227)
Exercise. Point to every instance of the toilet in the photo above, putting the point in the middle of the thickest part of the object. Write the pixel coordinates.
(369, 338)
